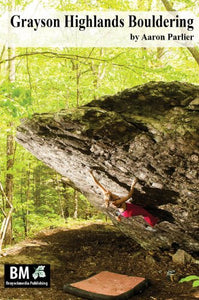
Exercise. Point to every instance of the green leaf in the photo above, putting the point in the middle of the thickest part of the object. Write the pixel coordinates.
(189, 278)
(196, 283)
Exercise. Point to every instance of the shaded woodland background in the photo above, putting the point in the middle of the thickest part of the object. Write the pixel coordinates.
(47, 80)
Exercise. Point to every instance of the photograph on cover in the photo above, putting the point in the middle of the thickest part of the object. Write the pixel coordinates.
(99, 145)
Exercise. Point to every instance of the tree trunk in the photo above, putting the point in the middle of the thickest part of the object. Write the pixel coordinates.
(78, 74)
(58, 185)
(26, 212)
(65, 196)
(193, 50)
(9, 181)
(98, 74)
(75, 216)
(37, 186)
(7, 216)
(28, 71)
(10, 140)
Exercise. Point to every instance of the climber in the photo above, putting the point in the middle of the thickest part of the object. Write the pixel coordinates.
(126, 209)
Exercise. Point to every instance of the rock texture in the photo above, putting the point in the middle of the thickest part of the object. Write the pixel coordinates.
(150, 131)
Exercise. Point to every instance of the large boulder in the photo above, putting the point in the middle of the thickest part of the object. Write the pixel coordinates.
(150, 131)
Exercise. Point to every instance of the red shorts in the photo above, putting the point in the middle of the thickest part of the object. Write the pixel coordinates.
(133, 210)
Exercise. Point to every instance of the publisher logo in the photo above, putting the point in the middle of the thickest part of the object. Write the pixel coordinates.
(22, 275)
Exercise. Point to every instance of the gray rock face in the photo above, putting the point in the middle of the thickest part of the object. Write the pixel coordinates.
(151, 132)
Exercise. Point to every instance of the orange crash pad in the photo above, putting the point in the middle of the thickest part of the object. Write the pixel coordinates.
(106, 286)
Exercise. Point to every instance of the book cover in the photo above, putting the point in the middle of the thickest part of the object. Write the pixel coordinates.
(99, 148)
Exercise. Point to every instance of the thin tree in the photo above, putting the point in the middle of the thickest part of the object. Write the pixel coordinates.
(7, 217)
(193, 50)
(10, 142)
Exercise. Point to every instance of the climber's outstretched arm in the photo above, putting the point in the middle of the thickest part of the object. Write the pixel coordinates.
(125, 198)
(97, 182)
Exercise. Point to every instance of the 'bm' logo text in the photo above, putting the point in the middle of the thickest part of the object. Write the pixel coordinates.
(19, 272)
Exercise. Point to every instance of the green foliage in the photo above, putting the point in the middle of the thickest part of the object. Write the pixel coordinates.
(193, 278)
(41, 198)
(92, 5)
(14, 99)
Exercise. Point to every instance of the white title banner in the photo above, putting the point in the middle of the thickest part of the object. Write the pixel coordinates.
(50, 28)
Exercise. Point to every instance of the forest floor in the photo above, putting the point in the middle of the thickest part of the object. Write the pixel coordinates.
(75, 254)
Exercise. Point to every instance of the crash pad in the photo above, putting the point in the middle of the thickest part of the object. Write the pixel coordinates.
(106, 286)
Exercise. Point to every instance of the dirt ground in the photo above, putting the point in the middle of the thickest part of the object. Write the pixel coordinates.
(75, 254)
